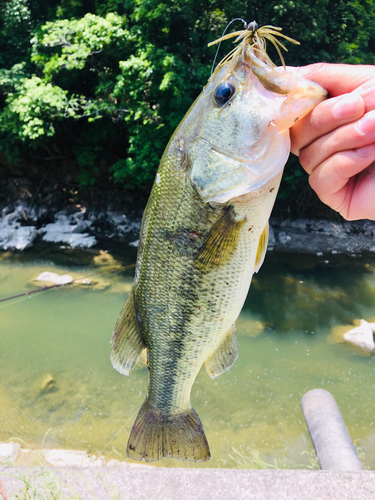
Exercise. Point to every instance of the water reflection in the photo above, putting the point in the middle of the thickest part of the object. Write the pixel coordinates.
(289, 293)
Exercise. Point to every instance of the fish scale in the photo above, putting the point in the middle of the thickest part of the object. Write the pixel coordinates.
(204, 233)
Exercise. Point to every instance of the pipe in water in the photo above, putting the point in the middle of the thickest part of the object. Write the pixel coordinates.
(332, 442)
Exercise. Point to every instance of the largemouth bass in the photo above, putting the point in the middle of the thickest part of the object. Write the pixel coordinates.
(204, 233)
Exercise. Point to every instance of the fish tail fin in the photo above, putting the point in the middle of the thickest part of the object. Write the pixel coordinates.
(156, 435)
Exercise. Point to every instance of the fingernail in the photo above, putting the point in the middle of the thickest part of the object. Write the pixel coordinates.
(347, 107)
(367, 150)
(367, 123)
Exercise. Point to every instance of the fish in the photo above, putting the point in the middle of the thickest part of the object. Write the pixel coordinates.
(204, 234)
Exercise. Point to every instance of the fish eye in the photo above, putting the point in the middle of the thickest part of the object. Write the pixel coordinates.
(223, 93)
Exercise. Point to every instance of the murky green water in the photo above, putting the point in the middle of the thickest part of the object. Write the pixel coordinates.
(286, 348)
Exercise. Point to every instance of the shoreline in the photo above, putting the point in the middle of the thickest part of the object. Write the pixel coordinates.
(12, 454)
(21, 227)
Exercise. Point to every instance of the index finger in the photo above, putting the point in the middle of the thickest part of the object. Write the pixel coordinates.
(325, 118)
(338, 79)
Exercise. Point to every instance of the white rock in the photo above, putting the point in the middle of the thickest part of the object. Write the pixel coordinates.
(82, 226)
(9, 452)
(134, 243)
(47, 276)
(59, 234)
(70, 458)
(64, 279)
(362, 336)
(16, 237)
(55, 278)
(70, 230)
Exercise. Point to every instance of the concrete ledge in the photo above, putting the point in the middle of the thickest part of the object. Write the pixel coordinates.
(154, 483)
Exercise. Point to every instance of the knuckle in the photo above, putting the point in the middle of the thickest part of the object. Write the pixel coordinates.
(305, 159)
(314, 184)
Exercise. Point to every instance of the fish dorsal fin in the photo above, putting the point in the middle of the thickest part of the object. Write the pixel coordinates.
(127, 344)
(224, 356)
(262, 248)
(220, 242)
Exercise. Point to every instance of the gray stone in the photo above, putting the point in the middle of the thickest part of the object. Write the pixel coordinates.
(284, 238)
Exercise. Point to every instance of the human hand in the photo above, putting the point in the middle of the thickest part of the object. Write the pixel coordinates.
(336, 141)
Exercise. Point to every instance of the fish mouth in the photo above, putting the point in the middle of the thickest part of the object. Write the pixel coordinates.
(232, 173)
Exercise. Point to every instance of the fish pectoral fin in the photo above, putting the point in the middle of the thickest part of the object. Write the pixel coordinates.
(220, 242)
(156, 435)
(262, 248)
(127, 343)
(224, 356)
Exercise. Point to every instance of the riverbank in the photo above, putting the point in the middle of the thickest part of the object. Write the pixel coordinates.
(22, 226)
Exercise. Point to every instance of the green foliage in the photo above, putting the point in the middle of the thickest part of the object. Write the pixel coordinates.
(33, 108)
(104, 83)
(75, 41)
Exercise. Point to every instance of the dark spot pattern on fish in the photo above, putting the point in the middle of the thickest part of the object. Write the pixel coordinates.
(186, 239)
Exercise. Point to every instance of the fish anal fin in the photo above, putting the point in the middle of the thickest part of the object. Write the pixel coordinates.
(127, 343)
(220, 242)
(262, 248)
(224, 356)
(156, 435)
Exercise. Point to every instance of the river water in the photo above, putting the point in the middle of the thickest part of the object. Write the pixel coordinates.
(59, 390)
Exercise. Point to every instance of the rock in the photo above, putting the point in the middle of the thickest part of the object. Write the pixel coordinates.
(69, 229)
(47, 383)
(16, 237)
(47, 276)
(9, 452)
(55, 278)
(134, 243)
(271, 239)
(78, 458)
(284, 238)
(362, 336)
(320, 236)
(71, 458)
(105, 259)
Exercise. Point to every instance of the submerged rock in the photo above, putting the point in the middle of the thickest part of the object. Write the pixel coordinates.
(47, 383)
(362, 336)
